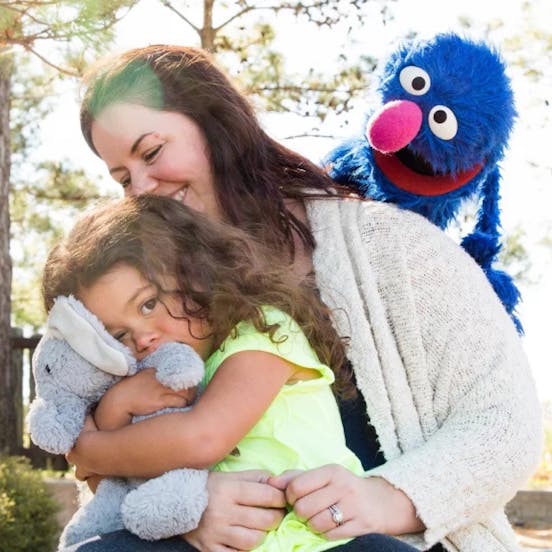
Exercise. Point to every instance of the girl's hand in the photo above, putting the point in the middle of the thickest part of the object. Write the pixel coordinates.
(92, 479)
(138, 395)
(368, 504)
(242, 508)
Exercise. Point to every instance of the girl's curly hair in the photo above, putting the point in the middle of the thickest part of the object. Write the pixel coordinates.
(222, 274)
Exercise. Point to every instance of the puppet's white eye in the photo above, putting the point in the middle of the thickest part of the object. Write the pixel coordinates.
(414, 80)
(442, 122)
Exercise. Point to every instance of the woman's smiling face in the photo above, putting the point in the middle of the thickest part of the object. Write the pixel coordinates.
(156, 152)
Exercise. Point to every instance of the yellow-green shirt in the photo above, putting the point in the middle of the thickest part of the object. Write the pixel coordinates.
(301, 429)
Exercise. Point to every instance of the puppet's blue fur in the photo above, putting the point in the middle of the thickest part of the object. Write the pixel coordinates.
(468, 78)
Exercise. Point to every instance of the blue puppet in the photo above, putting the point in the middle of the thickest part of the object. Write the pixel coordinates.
(446, 116)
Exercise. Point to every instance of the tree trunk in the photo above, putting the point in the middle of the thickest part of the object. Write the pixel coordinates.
(207, 33)
(8, 415)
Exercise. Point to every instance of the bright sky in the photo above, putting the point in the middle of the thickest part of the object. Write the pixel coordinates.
(527, 190)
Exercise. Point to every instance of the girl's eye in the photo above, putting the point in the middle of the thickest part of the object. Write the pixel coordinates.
(151, 154)
(148, 306)
(119, 336)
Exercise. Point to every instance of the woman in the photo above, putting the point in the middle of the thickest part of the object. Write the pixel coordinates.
(446, 421)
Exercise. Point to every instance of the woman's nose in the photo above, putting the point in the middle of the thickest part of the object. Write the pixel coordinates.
(143, 184)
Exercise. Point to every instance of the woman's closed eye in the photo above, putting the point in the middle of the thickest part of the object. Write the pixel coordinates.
(151, 154)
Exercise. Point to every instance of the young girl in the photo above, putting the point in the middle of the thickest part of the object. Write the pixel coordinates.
(153, 270)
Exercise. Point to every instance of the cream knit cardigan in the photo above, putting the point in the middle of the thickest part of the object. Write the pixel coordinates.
(439, 363)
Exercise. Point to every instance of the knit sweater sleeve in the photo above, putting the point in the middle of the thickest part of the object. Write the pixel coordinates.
(467, 374)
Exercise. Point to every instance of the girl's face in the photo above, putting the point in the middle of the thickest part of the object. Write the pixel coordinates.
(156, 152)
(133, 312)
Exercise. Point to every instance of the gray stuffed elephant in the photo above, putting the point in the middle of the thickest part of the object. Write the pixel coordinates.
(76, 361)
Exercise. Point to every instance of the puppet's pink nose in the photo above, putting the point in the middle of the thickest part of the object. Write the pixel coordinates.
(394, 126)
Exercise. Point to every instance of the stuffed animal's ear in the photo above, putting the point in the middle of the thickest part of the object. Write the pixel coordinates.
(70, 320)
(55, 426)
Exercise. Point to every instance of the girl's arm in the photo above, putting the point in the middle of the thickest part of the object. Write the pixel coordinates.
(138, 395)
(242, 389)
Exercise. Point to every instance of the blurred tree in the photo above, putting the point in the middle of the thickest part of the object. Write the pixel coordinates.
(242, 34)
(58, 34)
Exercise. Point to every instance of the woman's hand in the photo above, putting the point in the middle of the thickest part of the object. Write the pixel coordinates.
(138, 395)
(368, 504)
(242, 508)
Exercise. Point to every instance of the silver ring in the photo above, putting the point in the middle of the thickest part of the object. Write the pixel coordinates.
(337, 514)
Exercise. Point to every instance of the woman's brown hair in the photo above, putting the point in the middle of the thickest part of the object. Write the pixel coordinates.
(253, 174)
(221, 274)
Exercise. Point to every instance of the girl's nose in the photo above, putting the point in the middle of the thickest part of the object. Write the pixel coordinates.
(143, 340)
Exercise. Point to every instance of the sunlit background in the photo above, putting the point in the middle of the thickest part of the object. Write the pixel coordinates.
(520, 30)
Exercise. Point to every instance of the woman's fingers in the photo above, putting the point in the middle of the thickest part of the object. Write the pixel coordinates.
(247, 488)
(315, 504)
(311, 481)
(242, 508)
(262, 519)
(336, 502)
(283, 480)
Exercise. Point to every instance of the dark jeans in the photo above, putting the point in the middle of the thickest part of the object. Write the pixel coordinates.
(123, 541)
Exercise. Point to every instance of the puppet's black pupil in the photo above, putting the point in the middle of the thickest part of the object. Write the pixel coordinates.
(440, 116)
(48, 369)
(418, 83)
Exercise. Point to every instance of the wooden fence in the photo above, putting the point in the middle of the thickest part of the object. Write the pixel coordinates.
(22, 352)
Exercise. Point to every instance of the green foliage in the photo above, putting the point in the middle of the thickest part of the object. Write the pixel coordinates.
(46, 40)
(56, 188)
(32, 97)
(26, 22)
(27, 511)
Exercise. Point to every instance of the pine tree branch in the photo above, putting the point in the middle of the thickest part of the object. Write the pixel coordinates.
(238, 14)
(168, 5)
(297, 88)
(49, 63)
